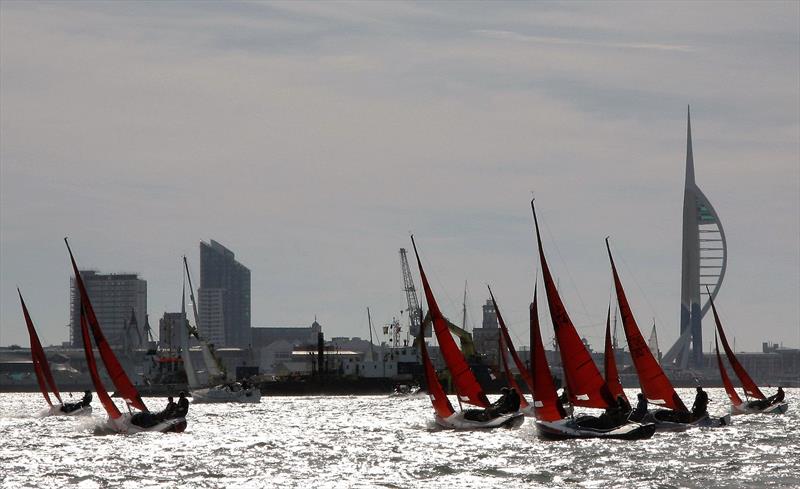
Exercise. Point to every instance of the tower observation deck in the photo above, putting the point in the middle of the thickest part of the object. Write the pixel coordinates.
(705, 258)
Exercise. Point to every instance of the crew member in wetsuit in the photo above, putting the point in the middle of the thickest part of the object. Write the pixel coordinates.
(765, 403)
(617, 414)
(700, 404)
(641, 408)
(68, 407)
(169, 410)
(508, 403)
(183, 406)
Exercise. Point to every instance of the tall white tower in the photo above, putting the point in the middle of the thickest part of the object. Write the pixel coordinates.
(705, 257)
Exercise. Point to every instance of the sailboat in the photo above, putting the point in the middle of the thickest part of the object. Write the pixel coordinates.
(44, 377)
(216, 389)
(506, 345)
(751, 390)
(655, 385)
(585, 386)
(467, 388)
(117, 421)
(552, 421)
(610, 363)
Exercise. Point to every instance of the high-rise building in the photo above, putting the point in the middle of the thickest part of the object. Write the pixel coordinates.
(169, 330)
(116, 298)
(704, 259)
(487, 337)
(223, 297)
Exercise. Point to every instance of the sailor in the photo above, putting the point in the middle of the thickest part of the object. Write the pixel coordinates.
(700, 403)
(183, 406)
(617, 414)
(87, 398)
(169, 410)
(641, 408)
(245, 385)
(765, 403)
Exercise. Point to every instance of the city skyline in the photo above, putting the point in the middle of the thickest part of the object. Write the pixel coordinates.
(301, 136)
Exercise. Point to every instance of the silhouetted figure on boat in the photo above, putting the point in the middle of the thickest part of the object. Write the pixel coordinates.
(183, 406)
(169, 410)
(563, 401)
(699, 408)
(765, 403)
(508, 402)
(639, 413)
(617, 414)
(69, 407)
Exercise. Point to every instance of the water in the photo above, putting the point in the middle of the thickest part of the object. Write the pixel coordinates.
(378, 441)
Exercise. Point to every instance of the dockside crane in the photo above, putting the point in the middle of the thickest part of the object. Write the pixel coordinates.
(414, 311)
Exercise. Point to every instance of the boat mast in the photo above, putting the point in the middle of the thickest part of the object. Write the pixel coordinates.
(371, 351)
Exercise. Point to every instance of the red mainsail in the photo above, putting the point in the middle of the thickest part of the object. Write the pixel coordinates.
(655, 384)
(512, 382)
(750, 387)
(585, 385)
(467, 387)
(102, 394)
(526, 377)
(40, 366)
(441, 404)
(545, 398)
(726, 381)
(119, 378)
(610, 363)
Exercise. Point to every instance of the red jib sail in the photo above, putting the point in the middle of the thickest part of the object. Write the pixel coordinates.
(40, 366)
(545, 398)
(750, 387)
(119, 378)
(726, 381)
(512, 382)
(510, 345)
(585, 385)
(441, 404)
(610, 363)
(467, 387)
(102, 394)
(655, 384)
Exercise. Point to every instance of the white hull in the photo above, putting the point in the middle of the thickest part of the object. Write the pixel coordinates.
(458, 422)
(567, 429)
(56, 411)
(528, 411)
(704, 422)
(743, 408)
(123, 425)
(222, 394)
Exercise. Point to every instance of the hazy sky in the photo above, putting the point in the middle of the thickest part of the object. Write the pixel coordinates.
(310, 138)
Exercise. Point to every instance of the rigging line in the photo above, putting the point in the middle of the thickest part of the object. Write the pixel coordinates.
(572, 281)
(641, 290)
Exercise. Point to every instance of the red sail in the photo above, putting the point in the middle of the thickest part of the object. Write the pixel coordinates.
(545, 398)
(726, 381)
(102, 394)
(40, 366)
(512, 382)
(119, 378)
(750, 387)
(655, 384)
(467, 387)
(510, 345)
(441, 404)
(585, 385)
(610, 363)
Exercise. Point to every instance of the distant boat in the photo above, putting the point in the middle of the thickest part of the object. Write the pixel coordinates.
(610, 362)
(507, 346)
(117, 421)
(655, 385)
(44, 376)
(467, 388)
(217, 389)
(583, 382)
(761, 404)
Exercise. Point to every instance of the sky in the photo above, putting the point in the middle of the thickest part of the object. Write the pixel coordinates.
(312, 138)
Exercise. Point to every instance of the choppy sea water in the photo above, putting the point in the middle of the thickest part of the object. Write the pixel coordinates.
(382, 441)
